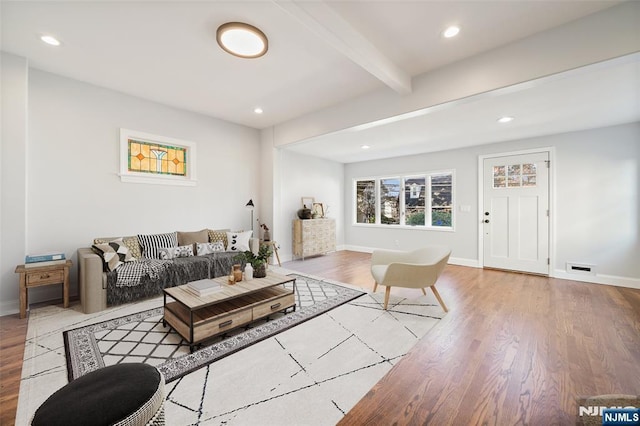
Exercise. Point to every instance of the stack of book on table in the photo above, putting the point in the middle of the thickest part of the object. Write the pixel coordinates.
(203, 287)
(44, 259)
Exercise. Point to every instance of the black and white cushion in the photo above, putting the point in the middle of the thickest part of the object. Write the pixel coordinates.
(167, 253)
(207, 248)
(238, 241)
(114, 253)
(151, 243)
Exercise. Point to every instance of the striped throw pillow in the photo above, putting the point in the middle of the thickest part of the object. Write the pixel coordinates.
(151, 243)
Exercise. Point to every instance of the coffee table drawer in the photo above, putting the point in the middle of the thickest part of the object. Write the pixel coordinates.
(221, 324)
(274, 305)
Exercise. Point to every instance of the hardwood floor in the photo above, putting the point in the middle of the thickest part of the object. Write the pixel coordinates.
(513, 349)
(13, 331)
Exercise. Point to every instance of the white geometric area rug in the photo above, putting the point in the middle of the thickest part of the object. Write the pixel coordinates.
(310, 374)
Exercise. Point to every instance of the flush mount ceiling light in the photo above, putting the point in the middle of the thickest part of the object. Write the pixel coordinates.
(258, 110)
(505, 119)
(51, 40)
(452, 31)
(365, 147)
(242, 40)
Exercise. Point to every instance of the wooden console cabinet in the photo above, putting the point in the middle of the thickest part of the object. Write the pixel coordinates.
(313, 236)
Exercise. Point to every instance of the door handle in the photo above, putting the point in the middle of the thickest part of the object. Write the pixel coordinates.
(486, 221)
(486, 213)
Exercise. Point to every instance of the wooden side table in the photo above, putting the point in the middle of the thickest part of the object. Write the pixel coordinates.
(43, 275)
(273, 245)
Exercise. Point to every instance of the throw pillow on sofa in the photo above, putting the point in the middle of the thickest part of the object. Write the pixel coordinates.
(238, 241)
(132, 244)
(193, 238)
(207, 248)
(114, 253)
(218, 235)
(151, 243)
(167, 253)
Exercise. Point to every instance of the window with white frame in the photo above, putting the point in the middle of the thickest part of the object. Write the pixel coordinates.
(421, 200)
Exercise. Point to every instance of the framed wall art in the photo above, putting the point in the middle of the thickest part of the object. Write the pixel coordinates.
(318, 210)
(147, 158)
(307, 202)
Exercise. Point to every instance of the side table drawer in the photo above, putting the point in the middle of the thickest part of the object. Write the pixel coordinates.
(274, 305)
(43, 278)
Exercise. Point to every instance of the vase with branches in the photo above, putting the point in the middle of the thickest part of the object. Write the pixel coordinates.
(266, 235)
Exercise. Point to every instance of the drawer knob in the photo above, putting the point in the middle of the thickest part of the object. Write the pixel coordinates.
(44, 276)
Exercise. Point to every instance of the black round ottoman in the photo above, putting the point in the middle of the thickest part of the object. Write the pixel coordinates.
(123, 394)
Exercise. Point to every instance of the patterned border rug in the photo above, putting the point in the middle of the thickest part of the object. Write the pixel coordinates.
(141, 337)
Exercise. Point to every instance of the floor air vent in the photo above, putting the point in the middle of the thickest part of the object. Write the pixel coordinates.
(581, 268)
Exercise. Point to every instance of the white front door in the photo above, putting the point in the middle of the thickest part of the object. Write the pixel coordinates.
(515, 219)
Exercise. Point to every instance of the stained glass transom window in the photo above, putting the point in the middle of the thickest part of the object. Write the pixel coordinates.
(154, 158)
(514, 176)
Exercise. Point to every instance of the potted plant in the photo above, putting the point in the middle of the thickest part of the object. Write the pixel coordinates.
(258, 261)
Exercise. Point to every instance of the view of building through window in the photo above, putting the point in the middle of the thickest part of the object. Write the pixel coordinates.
(390, 201)
(422, 200)
(441, 191)
(366, 201)
(414, 200)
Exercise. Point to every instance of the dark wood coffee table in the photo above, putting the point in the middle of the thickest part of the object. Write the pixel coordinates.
(199, 318)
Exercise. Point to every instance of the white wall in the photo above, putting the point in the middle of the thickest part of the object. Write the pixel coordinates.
(13, 177)
(303, 176)
(266, 210)
(597, 211)
(74, 193)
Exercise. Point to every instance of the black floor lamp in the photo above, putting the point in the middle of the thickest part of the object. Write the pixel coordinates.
(250, 206)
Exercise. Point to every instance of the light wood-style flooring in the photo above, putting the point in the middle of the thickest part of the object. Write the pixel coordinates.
(513, 349)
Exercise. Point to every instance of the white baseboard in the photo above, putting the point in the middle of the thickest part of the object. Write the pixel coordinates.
(358, 248)
(288, 256)
(598, 279)
(9, 307)
(472, 263)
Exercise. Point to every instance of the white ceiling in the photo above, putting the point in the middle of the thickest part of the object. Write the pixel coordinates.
(593, 96)
(320, 54)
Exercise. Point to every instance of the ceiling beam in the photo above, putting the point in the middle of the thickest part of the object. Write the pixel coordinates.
(331, 27)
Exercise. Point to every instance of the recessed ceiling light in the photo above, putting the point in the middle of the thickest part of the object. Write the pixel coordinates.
(258, 110)
(242, 40)
(505, 119)
(365, 147)
(50, 40)
(452, 31)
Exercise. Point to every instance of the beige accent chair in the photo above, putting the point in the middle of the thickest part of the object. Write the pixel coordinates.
(411, 269)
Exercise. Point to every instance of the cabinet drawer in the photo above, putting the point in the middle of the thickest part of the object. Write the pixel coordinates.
(273, 305)
(42, 278)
